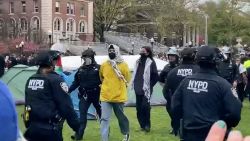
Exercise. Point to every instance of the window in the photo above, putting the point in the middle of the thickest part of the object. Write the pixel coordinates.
(36, 9)
(23, 6)
(57, 6)
(24, 24)
(11, 7)
(82, 11)
(68, 8)
(1, 24)
(70, 25)
(72, 9)
(35, 24)
(81, 26)
(57, 25)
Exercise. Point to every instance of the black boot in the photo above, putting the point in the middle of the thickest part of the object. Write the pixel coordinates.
(78, 135)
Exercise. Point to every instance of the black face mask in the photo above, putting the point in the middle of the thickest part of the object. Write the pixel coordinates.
(143, 55)
(112, 55)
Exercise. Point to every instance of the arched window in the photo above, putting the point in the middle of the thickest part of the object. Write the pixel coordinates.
(35, 23)
(24, 24)
(57, 24)
(70, 25)
(1, 24)
(81, 26)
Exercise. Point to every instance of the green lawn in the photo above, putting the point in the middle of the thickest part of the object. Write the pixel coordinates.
(159, 131)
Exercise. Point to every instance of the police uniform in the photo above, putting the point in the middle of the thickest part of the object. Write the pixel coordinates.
(176, 75)
(47, 104)
(228, 69)
(163, 79)
(204, 98)
(88, 80)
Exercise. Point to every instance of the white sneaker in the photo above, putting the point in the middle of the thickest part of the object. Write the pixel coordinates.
(126, 137)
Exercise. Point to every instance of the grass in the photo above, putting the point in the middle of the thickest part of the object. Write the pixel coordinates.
(159, 131)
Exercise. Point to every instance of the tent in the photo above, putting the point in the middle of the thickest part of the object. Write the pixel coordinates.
(17, 76)
(157, 97)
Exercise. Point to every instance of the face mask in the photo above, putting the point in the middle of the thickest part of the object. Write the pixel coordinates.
(143, 55)
(88, 61)
(112, 55)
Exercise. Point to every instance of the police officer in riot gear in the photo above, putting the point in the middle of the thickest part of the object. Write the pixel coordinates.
(176, 75)
(47, 102)
(204, 98)
(173, 57)
(88, 80)
(227, 68)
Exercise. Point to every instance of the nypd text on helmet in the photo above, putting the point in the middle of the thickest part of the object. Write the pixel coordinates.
(35, 84)
(184, 72)
(197, 86)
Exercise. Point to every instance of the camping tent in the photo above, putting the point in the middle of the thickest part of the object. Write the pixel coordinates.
(157, 97)
(17, 76)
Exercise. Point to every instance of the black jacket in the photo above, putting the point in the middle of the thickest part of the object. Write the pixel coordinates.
(47, 95)
(138, 84)
(87, 77)
(204, 98)
(176, 75)
(228, 70)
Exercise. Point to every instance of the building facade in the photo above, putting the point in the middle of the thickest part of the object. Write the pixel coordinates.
(52, 19)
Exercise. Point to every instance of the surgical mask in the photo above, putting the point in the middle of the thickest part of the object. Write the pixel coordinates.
(88, 61)
(112, 55)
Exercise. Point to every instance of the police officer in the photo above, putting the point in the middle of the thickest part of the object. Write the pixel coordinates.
(176, 75)
(227, 68)
(204, 98)
(173, 57)
(47, 102)
(88, 80)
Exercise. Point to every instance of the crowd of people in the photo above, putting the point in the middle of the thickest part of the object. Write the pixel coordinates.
(202, 86)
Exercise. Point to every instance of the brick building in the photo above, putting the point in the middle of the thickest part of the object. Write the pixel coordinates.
(51, 19)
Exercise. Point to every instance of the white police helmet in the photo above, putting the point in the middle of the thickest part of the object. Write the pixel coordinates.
(173, 51)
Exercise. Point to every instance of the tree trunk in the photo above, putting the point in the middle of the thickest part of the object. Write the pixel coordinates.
(102, 39)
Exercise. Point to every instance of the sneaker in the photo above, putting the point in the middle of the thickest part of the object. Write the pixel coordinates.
(126, 137)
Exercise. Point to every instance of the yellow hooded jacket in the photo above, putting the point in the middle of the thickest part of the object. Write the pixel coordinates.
(113, 88)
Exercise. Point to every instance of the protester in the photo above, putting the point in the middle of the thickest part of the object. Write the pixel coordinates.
(144, 78)
(115, 76)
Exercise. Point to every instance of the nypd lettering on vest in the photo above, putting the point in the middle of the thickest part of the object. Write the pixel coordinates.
(35, 84)
(184, 72)
(197, 86)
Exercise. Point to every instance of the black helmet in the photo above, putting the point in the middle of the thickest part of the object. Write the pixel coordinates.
(206, 54)
(88, 53)
(46, 58)
(188, 53)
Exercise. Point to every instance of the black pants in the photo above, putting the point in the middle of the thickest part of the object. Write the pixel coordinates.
(198, 135)
(167, 96)
(84, 104)
(143, 111)
(43, 132)
(241, 92)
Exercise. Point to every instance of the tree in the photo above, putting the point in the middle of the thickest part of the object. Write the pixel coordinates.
(106, 13)
(172, 15)
(226, 22)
